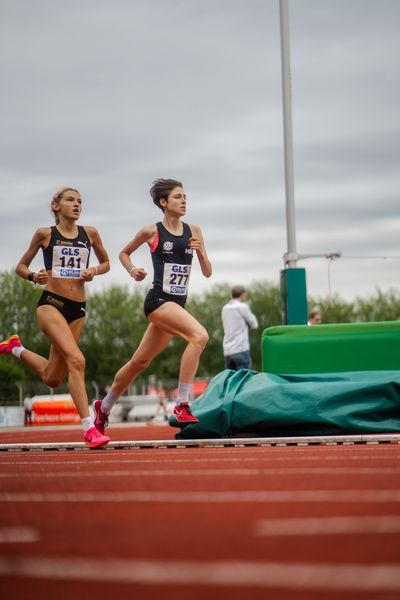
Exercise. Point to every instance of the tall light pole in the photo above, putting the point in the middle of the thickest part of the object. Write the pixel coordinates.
(293, 280)
(291, 256)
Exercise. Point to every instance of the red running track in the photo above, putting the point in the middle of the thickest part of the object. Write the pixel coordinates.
(305, 523)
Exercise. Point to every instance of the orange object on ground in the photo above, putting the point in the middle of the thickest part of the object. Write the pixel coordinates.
(54, 411)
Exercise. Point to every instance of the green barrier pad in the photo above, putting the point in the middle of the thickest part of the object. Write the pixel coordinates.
(331, 348)
(265, 404)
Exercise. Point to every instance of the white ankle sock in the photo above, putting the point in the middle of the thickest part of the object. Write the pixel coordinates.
(17, 351)
(87, 423)
(108, 401)
(184, 392)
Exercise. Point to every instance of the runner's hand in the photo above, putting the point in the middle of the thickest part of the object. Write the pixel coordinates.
(195, 244)
(41, 277)
(88, 274)
(138, 274)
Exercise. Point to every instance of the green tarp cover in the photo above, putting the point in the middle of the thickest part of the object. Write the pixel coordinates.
(267, 405)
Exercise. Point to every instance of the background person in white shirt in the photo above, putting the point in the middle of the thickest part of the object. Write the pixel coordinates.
(28, 405)
(236, 320)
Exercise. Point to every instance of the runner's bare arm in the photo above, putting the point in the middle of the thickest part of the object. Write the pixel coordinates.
(197, 243)
(144, 235)
(40, 239)
(101, 254)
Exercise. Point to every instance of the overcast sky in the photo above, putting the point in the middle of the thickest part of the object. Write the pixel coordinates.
(108, 95)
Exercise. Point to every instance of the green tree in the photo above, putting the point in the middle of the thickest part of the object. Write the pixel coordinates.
(206, 308)
(380, 307)
(18, 301)
(114, 328)
(264, 300)
(335, 310)
(116, 325)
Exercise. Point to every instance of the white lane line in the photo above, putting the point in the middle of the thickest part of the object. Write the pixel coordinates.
(210, 497)
(353, 471)
(298, 576)
(12, 535)
(211, 443)
(139, 460)
(327, 526)
(272, 451)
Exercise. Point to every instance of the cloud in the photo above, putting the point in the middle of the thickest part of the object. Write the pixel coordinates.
(107, 96)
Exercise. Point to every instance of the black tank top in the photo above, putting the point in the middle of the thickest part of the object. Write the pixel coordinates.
(65, 258)
(172, 260)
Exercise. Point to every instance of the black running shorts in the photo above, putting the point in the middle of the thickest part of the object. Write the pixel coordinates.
(155, 299)
(70, 309)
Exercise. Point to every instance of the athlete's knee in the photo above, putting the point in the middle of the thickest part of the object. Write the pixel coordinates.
(200, 339)
(138, 364)
(76, 362)
(53, 381)
(128, 373)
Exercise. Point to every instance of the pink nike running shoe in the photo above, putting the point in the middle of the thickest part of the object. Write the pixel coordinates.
(100, 417)
(94, 439)
(182, 414)
(7, 346)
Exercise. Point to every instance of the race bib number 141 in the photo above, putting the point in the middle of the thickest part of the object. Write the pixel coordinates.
(68, 261)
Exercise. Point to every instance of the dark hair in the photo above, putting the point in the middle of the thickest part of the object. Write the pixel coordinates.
(161, 188)
(237, 291)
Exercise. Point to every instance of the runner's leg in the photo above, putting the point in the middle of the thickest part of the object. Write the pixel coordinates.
(65, 355)
(153, 342)
(167, 321)
(174, 319)
(52, 370)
